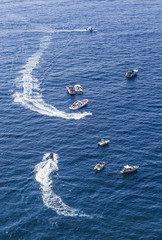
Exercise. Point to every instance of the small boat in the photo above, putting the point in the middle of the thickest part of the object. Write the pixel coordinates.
(78, 89)
(78, 104)
(99, 166)
(103, 142)
(129, 169)
(132, 73)
(90, 29)
(71, 89)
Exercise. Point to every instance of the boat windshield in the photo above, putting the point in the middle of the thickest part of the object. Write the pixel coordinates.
(127, 166)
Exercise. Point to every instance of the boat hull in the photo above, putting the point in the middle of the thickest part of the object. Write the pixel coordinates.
(99, 166)
(103, 143)
(129, 170)
(79, 104)
(76, 89)
(71, 90)
(131, 74)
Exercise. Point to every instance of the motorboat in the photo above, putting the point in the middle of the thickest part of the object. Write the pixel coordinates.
(99, 166)
(131, 73)
(71, 89)
(103, 142)
(74, 89)
(90, 29)
(78, 89)
(78, 104)
(129, 169)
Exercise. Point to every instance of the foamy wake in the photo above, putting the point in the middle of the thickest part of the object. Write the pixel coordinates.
(50, 199)
(51, 30)
(29, 93)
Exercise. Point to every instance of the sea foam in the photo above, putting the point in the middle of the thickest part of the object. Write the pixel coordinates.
(29, 92)
(51, 200)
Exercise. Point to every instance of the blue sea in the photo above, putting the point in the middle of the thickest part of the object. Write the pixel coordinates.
(44, 46)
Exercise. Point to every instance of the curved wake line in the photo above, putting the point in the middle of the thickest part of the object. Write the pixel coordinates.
(50, 199)
(30, 96)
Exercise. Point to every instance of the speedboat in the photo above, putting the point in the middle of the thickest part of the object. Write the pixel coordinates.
(129, 169)
(103, 142)
(78, 104)
(78, 89)
(71, 89)
(99, 166)
(90, 29)
(131, 73)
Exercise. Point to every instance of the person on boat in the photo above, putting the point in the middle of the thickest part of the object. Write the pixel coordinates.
(51, 155)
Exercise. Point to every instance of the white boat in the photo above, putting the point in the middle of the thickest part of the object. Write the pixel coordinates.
(78, 89)
(71, 89)
(132, 73)
(103, 142)
(90, 29)
(129, 169)
(78, 104)
(74, 89)
(99, 166)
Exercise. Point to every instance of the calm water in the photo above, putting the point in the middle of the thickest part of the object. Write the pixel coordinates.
(44, 46)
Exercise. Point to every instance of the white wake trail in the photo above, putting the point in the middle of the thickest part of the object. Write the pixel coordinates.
(30, 96)
(51, 30)
(73, 30)
(50, 199)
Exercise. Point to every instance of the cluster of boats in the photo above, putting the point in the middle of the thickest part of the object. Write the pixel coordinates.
(99, 166)
(76, 89)
(126, 169)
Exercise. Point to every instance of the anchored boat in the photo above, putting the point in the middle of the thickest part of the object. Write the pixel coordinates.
(129, 169)
(76, 89)
(71, 89)
(131, 73)
(103, 142)
(99, 166)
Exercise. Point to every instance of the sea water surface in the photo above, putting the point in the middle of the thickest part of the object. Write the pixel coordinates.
(44, 46)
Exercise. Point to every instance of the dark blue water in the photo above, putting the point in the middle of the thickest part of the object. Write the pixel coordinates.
(44, 46)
